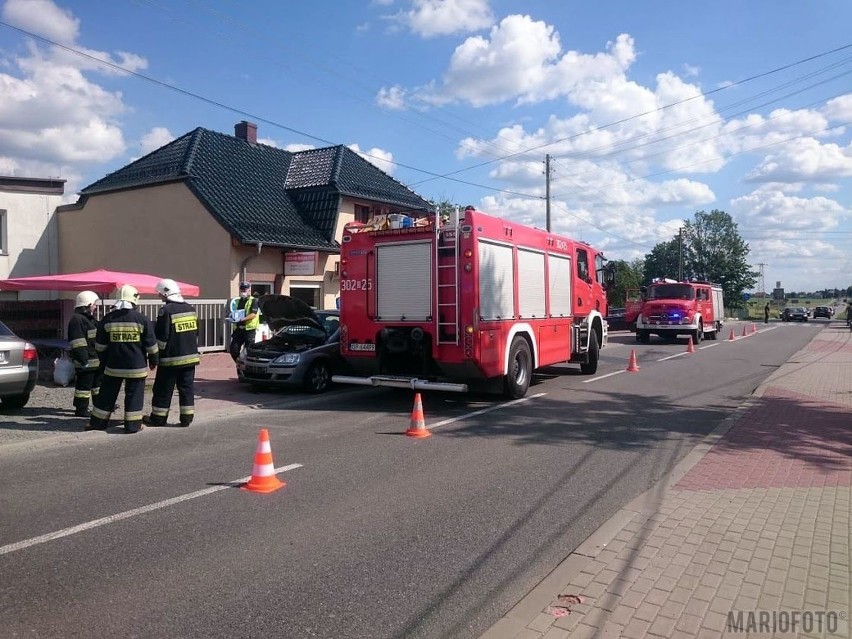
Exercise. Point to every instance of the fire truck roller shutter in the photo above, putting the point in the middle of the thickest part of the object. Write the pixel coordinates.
(496, 281)
(559, 285)
(404, 281)
(531, 283)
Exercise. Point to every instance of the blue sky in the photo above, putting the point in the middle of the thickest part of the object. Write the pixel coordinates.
(650, 111)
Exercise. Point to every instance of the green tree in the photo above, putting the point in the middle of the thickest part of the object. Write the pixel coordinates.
(662, 261)
(628, 275)
(713, 251)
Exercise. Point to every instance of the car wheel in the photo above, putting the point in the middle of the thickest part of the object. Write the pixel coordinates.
(15, 401)
(318, 378)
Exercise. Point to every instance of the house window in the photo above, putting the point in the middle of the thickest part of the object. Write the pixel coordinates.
(4, 244)
(308, 293)
(261, 288)
(362, 213)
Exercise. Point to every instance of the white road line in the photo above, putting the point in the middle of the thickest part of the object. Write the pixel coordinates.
(600, 377)
(103, 521)
(484, 410)
(673, 356)
(701, 348)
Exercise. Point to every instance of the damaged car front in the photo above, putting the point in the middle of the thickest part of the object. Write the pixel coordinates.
(303, 352)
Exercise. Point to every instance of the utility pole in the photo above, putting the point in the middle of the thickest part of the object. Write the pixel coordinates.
(680, 256)
(762, 282)
(547, 188)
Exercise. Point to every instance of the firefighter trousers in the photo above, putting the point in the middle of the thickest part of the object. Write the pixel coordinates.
(86, 387)
(104, 403)
(169, 377)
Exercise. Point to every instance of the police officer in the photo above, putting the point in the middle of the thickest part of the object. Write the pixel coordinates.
(82, 330)
(127, 348)
(176, 331)
(246, 319)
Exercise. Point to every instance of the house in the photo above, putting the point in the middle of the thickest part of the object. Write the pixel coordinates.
(215, 209)
(28, 235)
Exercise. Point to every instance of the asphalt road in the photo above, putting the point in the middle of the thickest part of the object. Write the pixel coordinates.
(376, 534)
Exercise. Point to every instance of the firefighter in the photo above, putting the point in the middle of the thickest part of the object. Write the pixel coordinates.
(176, 331)
(127, 348)
(244, 314)
(82, 330)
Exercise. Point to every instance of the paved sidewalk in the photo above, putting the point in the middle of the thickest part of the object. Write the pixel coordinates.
(756, 520)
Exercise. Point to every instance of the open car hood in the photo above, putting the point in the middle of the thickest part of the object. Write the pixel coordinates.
(282, 310)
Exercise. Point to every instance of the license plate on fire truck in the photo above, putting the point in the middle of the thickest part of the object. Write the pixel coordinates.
(362, 347)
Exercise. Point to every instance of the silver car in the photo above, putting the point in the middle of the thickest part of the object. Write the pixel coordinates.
(18, 369)
(303, 352)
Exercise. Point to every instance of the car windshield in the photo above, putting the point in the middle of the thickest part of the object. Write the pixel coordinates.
(671, 292)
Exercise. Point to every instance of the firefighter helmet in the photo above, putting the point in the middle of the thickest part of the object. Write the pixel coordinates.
(85, 298)
(128, 293)
(167, 288)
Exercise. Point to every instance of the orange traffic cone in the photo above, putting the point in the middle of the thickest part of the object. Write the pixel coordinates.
(263, 479)
(731, 338)
(632, 365)
(417, 427)
(754, 328)
(690, 348)
(745, 334)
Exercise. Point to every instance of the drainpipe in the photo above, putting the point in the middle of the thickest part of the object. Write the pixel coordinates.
(247, 260)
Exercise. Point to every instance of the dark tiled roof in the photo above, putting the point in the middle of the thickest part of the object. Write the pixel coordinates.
(261, 193)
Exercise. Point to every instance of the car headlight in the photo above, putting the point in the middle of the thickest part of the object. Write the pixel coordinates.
(287, 359)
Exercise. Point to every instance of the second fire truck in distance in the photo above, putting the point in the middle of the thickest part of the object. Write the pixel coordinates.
(445, 304)
(671, 308)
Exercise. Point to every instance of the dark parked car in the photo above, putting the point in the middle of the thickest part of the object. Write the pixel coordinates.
(823, 311)
(18, 369)
(304, 350)
(617, 319)
(794, 315)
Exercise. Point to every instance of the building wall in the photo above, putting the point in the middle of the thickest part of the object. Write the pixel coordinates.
(29, 239)
(163, 230)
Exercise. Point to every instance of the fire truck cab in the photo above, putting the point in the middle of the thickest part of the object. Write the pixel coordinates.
(431, 303)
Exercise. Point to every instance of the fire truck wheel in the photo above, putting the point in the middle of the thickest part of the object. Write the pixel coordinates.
(317, 378)
(591, 367)
(520, 369)
(698, 334)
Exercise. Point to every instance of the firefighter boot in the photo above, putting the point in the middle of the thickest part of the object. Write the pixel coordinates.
(81, 408)
(185, 420)
(153, 420)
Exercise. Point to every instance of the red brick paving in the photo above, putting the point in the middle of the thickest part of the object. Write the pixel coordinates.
(785, 441)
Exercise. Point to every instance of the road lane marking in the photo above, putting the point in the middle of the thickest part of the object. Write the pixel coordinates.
(701, 348)
(484, 410)
(673, 356)
(103, 521)
(595, 379)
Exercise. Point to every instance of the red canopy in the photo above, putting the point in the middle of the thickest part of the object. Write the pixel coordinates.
(99, 281)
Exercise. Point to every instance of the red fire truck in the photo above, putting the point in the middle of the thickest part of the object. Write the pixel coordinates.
(671, 308)
(477, 300)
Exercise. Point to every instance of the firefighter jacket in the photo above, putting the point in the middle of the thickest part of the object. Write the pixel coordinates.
(176, 331)
(249, 305)
(82, 331)
(126, 344)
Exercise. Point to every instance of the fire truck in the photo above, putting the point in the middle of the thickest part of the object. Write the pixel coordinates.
(671, 308)
(472, 302)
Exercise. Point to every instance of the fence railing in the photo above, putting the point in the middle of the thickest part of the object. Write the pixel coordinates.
(213, 332)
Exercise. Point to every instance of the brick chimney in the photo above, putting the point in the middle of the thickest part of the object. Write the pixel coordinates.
(246, 131)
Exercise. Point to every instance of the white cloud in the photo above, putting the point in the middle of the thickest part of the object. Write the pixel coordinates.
(771, 210)
(839, 109)
(392, 98)
(805, 160)
(431, 18)
(43, 18)
(54, 120)
(379, 157)
(154, 139)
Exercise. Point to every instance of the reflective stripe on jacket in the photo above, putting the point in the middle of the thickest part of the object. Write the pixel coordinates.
(177, 335)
